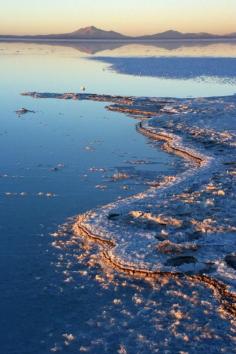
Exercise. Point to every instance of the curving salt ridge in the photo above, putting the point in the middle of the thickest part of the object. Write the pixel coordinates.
(186, 225)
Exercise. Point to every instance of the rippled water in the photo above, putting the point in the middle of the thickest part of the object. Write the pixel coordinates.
(59, 162)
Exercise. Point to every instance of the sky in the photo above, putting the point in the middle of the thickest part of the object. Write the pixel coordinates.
(133, 17)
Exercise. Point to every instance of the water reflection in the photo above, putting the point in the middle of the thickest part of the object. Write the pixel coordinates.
(51, 163)
(56, 68)
(146, 48)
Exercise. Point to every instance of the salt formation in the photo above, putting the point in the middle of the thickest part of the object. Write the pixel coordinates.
(185, 225)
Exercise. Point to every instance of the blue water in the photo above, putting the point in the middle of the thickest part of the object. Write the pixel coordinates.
(45, 178)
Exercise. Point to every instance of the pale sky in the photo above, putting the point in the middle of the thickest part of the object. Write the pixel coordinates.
(133, 17)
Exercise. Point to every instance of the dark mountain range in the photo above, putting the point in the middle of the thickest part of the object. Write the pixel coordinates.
(179, 35)
(90, 33)
(93, 33)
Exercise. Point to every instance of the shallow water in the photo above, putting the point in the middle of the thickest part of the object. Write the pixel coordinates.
(59, 162)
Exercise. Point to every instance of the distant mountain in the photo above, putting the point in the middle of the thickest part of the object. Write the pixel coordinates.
(179, 35)
(90, 33)
(93, 33)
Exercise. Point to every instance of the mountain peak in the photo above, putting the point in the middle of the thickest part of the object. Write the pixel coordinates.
(92, 32)
(171, 31)
(88, 28)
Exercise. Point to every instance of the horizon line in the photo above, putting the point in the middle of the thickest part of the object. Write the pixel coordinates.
(110, 30)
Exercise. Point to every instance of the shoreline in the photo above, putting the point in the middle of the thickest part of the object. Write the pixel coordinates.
(173, 144)
(225, 297)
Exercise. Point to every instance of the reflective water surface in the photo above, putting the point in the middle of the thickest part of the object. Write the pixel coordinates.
(61, 161)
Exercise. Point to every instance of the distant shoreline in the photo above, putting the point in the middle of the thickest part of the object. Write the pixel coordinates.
(128, 40)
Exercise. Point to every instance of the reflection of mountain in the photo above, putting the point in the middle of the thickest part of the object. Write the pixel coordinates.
(174, 67)
(174, 44)
(96, 46)
(90, 47)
